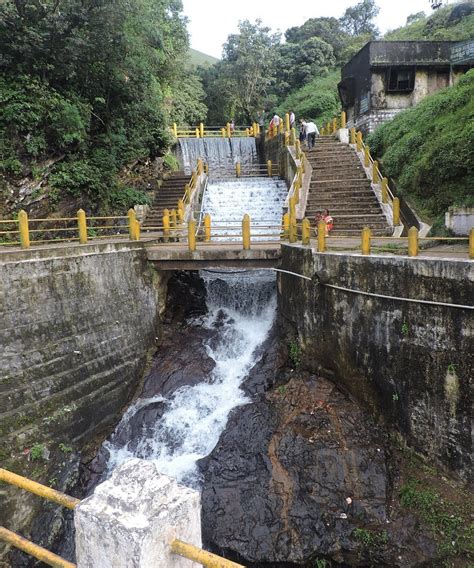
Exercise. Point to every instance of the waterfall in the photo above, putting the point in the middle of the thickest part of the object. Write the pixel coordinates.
(220, 153)
(242, 306)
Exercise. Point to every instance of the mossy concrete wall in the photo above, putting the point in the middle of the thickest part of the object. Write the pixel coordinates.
(77, 325)
(412, 363)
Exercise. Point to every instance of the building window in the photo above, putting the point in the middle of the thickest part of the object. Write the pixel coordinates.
(401, 79)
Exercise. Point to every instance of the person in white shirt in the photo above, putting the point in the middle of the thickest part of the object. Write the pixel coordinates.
(311, 131)
(292, 119)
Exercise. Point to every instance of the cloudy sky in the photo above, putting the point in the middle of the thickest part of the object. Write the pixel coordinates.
(211, 21)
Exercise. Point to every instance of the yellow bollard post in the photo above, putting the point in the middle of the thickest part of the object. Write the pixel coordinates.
(137, 229)
(375, 172)
(237, 169)
(471, 243)
(180, 211)
(173, 219)
(299, 153)
(292, 207)
(413, 241)
(343, 119)
(396, 211)
(82, 226)
(359, 141)
(293, 236)
(192, 235)
(305, 231)
(201, 129)
(365, 240)
(246, 232)
(296, 193)
(280, 126)
(200, 166)
(287, 122)
(24, 229)
(353, 135)
(293, 136)
(323, 131)
(223, 132)
(207, 227)
(175, 129)
(197, 132)
(286, 226)
(287, 138)
(321, 236)
(366, 156)
(334, 125)
(384, 190)
(269, 168)
(131, 224)
(228, 130)
(166, 224)
(258, 129)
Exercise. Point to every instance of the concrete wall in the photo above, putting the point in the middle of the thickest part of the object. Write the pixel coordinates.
(460, 220)
(411, 363)
(77, 324)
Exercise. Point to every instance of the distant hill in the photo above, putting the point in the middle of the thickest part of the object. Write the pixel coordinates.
(199, 58)
(453, 22)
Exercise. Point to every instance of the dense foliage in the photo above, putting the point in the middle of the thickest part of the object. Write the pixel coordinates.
(429, 149)
(94, 85)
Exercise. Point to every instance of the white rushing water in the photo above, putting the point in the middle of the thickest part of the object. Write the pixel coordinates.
(221, 154)
(242, 305)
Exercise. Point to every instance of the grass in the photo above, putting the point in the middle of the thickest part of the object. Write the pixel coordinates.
(199, 58)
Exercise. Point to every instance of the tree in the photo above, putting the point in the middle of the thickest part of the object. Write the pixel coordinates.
(328, 29)
(358, 19)
(248, 67)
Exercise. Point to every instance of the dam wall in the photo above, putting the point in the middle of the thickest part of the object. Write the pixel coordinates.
(412, 363)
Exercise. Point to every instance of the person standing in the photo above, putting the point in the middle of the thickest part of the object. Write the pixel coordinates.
(292, 119)
(311, 131)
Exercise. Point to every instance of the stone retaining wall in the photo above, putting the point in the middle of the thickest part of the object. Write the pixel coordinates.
(411, 363)
(77, 324)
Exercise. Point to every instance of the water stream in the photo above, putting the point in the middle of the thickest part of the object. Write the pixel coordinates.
(221, 154)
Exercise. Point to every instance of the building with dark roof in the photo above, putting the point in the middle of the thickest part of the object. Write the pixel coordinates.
(385, 77)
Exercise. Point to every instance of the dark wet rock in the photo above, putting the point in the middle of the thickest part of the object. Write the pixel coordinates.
(302, 474)
(186, 296)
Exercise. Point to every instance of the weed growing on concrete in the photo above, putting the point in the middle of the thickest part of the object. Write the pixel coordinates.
(36, 452)
(405, 328)
(370, 540)
(320, 563)
(65, 449)
(281, 389)
(452, 369)
(395, 397)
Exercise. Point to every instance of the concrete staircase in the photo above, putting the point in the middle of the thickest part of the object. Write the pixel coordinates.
(167, 196)
(339, 183)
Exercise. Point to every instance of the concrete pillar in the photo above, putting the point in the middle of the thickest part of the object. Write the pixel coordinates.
(132, 517)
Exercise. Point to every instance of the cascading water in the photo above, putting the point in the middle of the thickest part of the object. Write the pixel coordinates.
(242, 306)
(221, 154)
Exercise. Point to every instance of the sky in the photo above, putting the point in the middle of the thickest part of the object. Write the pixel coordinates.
(211, 21)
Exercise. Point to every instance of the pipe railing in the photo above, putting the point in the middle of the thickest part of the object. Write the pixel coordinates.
(177, 547)
(25, 231)
(227, 131)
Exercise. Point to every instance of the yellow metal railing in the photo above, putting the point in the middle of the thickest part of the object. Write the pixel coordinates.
(227, 131)
(25, 231)
(177, 546)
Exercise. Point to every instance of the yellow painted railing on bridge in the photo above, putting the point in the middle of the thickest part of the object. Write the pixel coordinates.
(227, 131)
(176, 546)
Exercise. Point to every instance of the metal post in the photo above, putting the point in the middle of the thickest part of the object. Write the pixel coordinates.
(237, 169)
(192, 235)
(334, 125)
(286, 226)
(287, 122)
(293, 136)
(228, 130)
(201, 130)
(166, 224)
(269, 168)
(384, 190)
(137, 227)
(223, 132)
(471, 243)
(359, 141)
(293, 236)
(82, 226)
(343, 119)
(175, 129)
(246, 232)
(366, 156)
(396, 211)
(197, 132)
(292, 207)
(375, 172)
(306, 231)
(365, 244)
(24, 230)
(180, 211)
(321, 236)
(131, 224)
(353, 135)
(207, 227)
(173, 219)
(413, 241)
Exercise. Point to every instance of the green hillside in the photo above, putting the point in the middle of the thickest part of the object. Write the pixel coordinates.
(200, 58)
(428, 149)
